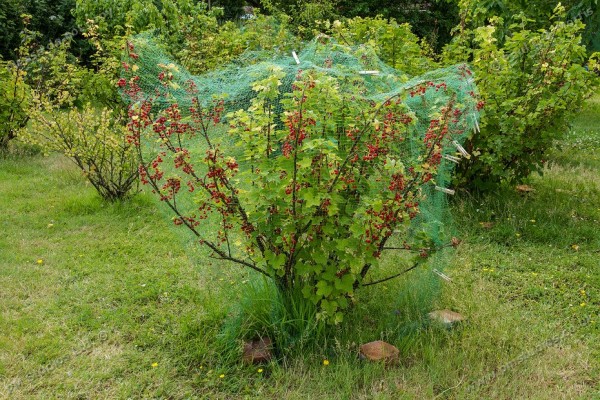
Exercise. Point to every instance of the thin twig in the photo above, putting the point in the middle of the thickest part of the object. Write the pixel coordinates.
(393, 276)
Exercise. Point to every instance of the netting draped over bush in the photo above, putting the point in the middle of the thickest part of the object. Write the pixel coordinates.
(308, 166)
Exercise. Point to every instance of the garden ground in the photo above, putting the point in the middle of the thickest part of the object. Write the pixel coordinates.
(101, 300)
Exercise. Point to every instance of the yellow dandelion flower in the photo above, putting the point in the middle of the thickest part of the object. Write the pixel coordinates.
(325, 362)
(221, 376)
(260, 370)
(40, 261)
(154, 364)
(582, 304)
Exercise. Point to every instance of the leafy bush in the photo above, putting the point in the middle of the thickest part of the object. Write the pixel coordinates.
(594, 63)
(531, 87)
(76, 111)
(303, 16)
(172, 19)
(93, 138)
(394, 43)
(531, 83)
(306, 187)
(209, 44)
(117, 16)
(431, 20)
(14, 101)
(190, 31)
(14, 93)
(475, 13)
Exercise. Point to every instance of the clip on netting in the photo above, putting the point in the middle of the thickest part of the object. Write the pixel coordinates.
(369, 72)
(451, 158)
(441, 275)
(296, 57)
(445, 190)
(461, 149)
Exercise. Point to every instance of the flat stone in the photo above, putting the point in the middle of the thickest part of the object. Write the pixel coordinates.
(447, 317)
(525, 188)
(258, 351)
(379, 351)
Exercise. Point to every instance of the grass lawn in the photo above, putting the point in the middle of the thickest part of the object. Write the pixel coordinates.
(102, 301)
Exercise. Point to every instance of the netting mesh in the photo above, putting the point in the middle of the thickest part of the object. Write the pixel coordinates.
(352, 67)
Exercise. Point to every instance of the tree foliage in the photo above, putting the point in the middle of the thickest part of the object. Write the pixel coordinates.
(394, 43)
(209, 44)
(538, 13)
(50, 18)
(432, 20)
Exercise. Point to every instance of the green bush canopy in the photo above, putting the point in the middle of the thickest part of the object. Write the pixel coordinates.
(355, 104)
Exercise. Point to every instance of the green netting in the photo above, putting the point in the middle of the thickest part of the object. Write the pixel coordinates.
(351, 66)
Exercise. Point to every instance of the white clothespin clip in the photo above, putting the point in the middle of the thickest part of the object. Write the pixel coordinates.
(445, 190)
(296, 57)
(461, 149)
(453, 159)
(369, 72)
(442, 275)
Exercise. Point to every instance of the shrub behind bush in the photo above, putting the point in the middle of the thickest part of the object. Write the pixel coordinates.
(532, 87)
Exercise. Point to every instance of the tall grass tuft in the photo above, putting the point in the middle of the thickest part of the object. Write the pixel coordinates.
(285, 317)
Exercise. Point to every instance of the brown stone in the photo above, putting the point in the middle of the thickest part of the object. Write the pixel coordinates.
(525, 188)
(258, 351)
(379, 351)
(446, 317)
(455, 242)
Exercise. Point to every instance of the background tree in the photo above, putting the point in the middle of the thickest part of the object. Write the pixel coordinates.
(539, 14)
(432, 20)
(50, 18)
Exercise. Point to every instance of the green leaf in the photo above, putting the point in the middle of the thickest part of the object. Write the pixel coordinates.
(324, 289)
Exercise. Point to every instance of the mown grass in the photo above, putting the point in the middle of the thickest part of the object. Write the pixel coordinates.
(102, 300)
